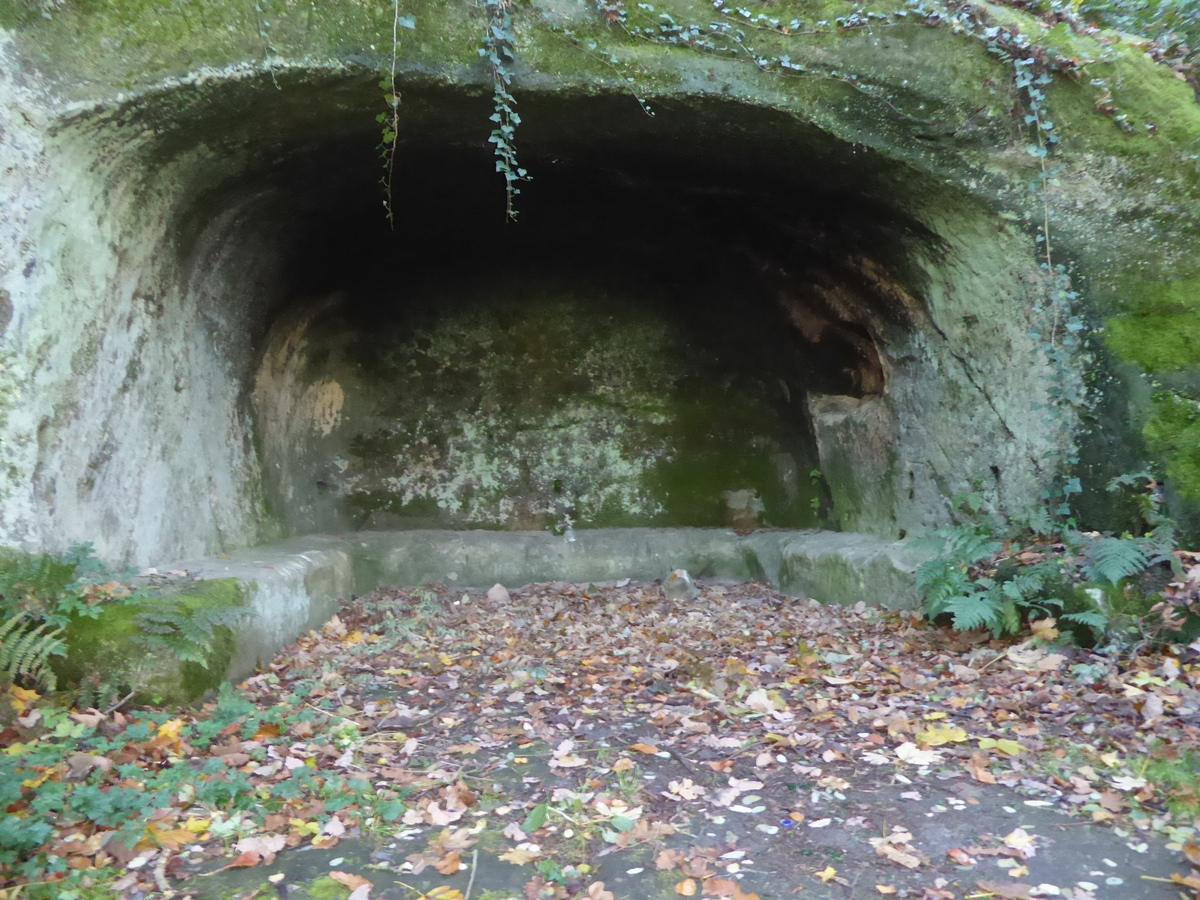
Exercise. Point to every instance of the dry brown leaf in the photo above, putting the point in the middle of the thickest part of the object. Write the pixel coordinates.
(720, 887)
(668, 858)
(244, 860)
(349, 880)
(519, 856)
(644, 748)
(977, 765)
(449, 864)
(899, 855)
(1007, 890)
(960, 856)
(1112, 801)
(80, 765)
(265, 846)
(686, 888)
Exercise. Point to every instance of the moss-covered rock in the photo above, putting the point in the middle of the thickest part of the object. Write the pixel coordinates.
(114, 651)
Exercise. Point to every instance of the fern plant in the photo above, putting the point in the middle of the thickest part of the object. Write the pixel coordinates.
(189, 633)
(26, 646)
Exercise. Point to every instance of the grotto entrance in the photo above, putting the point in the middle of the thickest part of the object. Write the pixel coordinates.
(719, 316)
(642, 348)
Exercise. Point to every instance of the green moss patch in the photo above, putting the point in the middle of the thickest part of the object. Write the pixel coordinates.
(114, 652)
(1161, 331)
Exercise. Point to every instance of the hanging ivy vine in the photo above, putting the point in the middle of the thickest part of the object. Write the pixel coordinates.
(389, 119)
(498, 50)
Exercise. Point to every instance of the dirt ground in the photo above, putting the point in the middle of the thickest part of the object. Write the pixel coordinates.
(607, 742)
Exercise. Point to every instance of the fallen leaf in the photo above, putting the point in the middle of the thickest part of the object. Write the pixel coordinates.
(449, 864)
(909, 752)
(265, 846)
(1044, 629)
(1022, 841)
(827, 874)
(960, 856)
(1004, 745)
(349, 880)
(686, 888)
(668, 858)
(936, 735)
(720, 887)
(1007, 890)
(244, 861)
(899, 855)
(520, 855)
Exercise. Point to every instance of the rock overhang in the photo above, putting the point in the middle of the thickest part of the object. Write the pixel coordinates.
(218, 195)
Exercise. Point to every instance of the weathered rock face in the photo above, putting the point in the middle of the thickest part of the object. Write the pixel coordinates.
(211, 336)
(528, 405)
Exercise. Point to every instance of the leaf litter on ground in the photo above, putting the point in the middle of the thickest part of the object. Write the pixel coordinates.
(540, 713)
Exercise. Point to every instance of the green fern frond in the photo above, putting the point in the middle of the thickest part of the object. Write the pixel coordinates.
(970, 546)
(26, 648)
(183, 631)
(1098, 622)
(1040, 522)
(974, 611)
(1025, 586)
(1113, 559)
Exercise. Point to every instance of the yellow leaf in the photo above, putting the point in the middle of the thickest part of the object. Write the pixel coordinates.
(1044, 629)
(170, 838)
(624, 764)
(170, 729)
(1004, 745)
(21, 698)
(933, 716)
(886, 888)
(442, 892)
(936, 735)
(196, 825)
(303, 827)
(354, 637)
(644, 748)
(827, 875)
(686, 888)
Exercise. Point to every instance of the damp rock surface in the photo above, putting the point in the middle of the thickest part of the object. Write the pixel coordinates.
(174, 204)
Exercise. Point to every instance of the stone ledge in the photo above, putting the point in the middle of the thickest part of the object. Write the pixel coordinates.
(297, 585)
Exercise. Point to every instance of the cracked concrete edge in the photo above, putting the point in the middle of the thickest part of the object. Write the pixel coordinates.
(297, 585)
